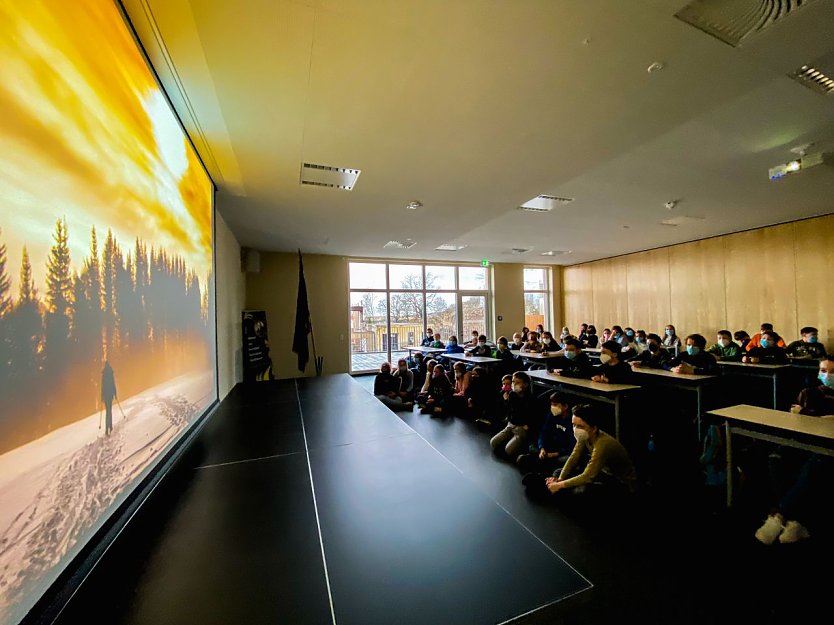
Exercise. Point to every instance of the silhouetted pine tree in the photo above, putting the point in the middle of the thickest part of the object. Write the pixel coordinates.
(58, 305)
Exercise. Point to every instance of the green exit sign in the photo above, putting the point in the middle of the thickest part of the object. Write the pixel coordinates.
(484, 263)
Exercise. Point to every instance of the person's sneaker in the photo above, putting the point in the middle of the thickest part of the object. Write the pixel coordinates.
(793, 532)
(408, 405)
(770, 529)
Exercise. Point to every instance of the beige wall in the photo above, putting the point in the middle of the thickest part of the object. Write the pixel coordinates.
(507, 298)
(231, 298)
(778, 274)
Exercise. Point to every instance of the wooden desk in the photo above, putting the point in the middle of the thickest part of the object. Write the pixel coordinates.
(685, 381)
(539, 358)
(758, 370)
(473, 360)
(815, 434)
(426, 350)
(599, 391)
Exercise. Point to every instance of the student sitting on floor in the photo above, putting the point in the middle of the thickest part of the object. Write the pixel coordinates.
(724, 348)
(598, 465)
(671, 338)
(418, 368)
(480, 348)
(477, 394)
(423, 395)
(387, 389)
(518, 342)
(437, 343)
(452, 346)
(653, 357)
(573, 363)
(768, 351)
(460, 385)
(533, 344)
(592, 340)
(611, 369)
(521, 413)
(808, 346)
(695, 359)
(801, 480)
(756, 340)
(428, 338)
(555, 441)
(742, 338)
(439, 392)
(406, 381)
(496, 410)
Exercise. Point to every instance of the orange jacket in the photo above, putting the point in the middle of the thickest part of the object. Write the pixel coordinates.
(754, 342)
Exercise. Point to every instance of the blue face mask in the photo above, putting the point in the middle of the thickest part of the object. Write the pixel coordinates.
(453, 342)
(764, 343)
(827, 379)
(812, 338)
(570, 355)
(668, 333)
(629, 333)
(692, 350)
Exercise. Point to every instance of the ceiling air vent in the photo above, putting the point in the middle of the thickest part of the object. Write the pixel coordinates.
(555, 252)
(545, 203)
(732, 21)
(326, 176)
(401, 245)
(520, 250)
(681, 221)
(813, 78)
(448, 247)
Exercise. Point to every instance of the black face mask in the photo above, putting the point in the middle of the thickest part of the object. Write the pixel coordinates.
(653, 347)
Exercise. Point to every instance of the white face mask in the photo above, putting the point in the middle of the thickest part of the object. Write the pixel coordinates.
(723, 342)
(517, 388)
(482, 343)
(604, 358)
(546, 341)
(556, 411)
(580, 435)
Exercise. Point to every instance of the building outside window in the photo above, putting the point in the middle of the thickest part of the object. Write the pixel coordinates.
(537, 298)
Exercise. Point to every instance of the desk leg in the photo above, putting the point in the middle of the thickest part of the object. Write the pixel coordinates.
(698, 407)
(774, 390)
(617, 416)
(728, 445)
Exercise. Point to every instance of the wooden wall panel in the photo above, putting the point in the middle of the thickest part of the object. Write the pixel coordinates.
(761, 279)
(696, 273)
(577, 296)
(814, 287)
(610, 293)
(648, 290)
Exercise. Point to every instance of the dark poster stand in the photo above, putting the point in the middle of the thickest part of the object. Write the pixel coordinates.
(257, 365)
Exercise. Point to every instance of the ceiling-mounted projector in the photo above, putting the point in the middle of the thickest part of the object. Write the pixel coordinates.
(807, 161)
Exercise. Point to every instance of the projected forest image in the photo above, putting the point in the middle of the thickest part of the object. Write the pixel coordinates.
(107, 332)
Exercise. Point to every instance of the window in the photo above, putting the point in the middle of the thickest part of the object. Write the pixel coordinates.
(537, 297)
(392, 304)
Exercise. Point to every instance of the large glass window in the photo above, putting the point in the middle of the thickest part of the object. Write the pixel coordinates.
(392, 304)
(537, 297)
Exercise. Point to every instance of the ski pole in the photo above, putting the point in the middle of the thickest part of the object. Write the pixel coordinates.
(119, 404)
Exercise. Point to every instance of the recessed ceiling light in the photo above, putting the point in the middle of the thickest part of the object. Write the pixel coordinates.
(655, 67)
(555, 252)
(414, 205)
(448, 247)
(401, 245)
(545, 203)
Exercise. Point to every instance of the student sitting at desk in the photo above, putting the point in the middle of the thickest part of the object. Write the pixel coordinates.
(617, 334)
(606, 335)
(437, 343)
(808, 346)
(640, 341)
(611, 369)
(473, 339)
(522, 408)
(653, 357)
(598, 465)
(549, 344)
(574, 363)
(695, 360)
(480, 348)
(452, 346)
(533, 345)
(671, 338)
(428, 338)
(593, 340)
(801, 479)
(539, 329)
(556, 441)
(518, 342)
(583, 333)
(724, 348)
(768, 351)
(763, 329)
(508, 362)
(742, 338)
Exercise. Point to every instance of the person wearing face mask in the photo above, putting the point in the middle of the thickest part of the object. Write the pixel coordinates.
(611, 369)
(522, 408)
(437, 343)
(574, 363)
(583, 334)
(533, 344)
(509, 362)
(653, 357)
(724, 348)
(592, 340)
(768, 352)
(480, 348)
(695, 359)
(606, 335)
(452, 346)
(755, 341)
(617, 334)
(406, 381)
(387, 389)
(598, 466)
(808, 346)
(640, 341)
(539, 329)
(742, 338)
(549, 344)
(800, 478)
(428, 338)
(555, 441)
(477, 394)
(457, 402)
(423, 395)
(439, 392)
(518, 342)
(670, 338)
(473, 339)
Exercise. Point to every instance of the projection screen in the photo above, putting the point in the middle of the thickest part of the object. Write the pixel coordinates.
(107, 313)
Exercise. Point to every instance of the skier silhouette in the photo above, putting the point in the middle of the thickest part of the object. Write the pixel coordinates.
(108, 394)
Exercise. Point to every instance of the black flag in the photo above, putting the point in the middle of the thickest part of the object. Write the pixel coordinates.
(302, 320)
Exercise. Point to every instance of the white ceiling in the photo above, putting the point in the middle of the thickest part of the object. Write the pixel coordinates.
(475, 106)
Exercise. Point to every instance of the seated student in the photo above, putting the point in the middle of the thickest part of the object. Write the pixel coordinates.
(556, 441)
(801, 480)
(423, 395)
(480, 348)
(573, 363)
(477, 394)
(606, 335)
(437, 343)
(522, 408)
(640, 340)
(549, 344)
(808, 346)
(724, 348)
(417, 363)
(598, 465)
(611, 369)
(428, 338)
(653, 357)
(473, 339)
(452, 346)
(617, 334)
(439, 392)
(768, 351)
(496, 407)
(387, 389)
(565, 334)
(457, 403)
(406, 381)
(742, 338)
(592, 340)
(525, 331)
(694, 359)
(509, 362)
(583, 333)
(533, 344)
(671, 338)
(518, 342)
(630, 347)
(539, 329)
(764, 328)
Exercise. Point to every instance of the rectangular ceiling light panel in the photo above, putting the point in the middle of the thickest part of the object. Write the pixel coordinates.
(326, 176)
(545, 203)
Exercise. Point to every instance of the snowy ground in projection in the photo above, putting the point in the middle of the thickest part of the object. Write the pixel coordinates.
(55, 489)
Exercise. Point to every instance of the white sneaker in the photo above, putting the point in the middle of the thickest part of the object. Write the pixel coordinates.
(770, 529)
(793, 532)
